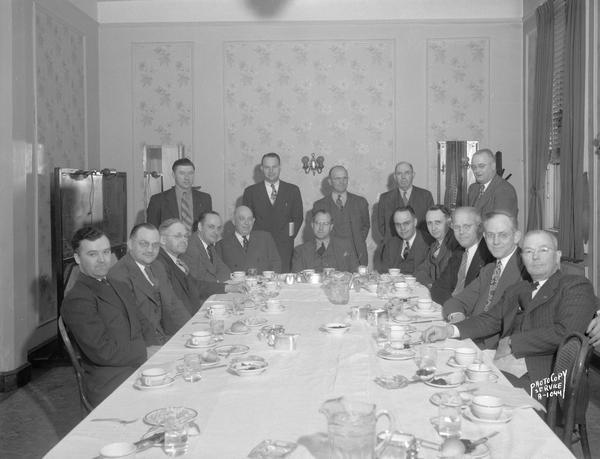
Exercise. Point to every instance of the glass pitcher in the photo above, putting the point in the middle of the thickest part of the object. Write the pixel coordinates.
(337, 288)
(351, 428)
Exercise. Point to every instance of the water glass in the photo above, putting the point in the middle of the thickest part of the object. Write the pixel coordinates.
(217, 328)
(427, 358)
(176, 438)
(238, 306)
(251, 272)
(449, 421)
(192, 367)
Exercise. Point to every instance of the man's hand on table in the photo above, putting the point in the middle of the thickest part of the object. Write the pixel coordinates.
(456, 317)
(236, 288)
(504, 348)
(437, 333)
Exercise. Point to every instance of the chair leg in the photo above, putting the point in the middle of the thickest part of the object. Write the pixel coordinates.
(585, 444)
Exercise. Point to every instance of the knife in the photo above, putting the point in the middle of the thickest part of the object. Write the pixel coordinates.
(149, 442)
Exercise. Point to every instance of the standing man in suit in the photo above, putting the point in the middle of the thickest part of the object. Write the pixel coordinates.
(277, 207)
(201, 255)
(405, 195)
(181, 201)
(438, 220)
(349, 211)
(148, 281)
(324, 251)
(501, 236)
(532, 318)
(174, 238)
(491, 192)
(102, 317)
(465, 265)
(247, 248)
(408, 251)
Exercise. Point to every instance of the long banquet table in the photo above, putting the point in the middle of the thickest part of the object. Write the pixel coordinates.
(237, 413)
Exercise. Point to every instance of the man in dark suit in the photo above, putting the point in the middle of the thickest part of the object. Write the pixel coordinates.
(440, 251)
(532, 318)
(102, 317)
(491, 192)
(349, 211)
(181, 201)
(149, 282)
(324, 251)
(173, 243)
(277, 207)
(464, 266)
(201, 255)
(501, 236)
(410, 250)
(406, 194)
(247, 248)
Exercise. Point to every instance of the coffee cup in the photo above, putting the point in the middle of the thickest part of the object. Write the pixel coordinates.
(410, 280)
(200, 337)
(486, 406)
(401, 286)
(268, 274)
(251, 281)
(464, 355)
(328, 271)
(271, 286)
(363, 270)
(238, 276)
(372, 287)
(218, 310)
(273, 305)
(153, 376)
(478, 372)
(424, 304)
(397, 332)
(394, 272)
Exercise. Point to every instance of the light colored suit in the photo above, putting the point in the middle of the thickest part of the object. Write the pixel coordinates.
(261, 254)
(339, 255)
(499, 195)
(200, 265)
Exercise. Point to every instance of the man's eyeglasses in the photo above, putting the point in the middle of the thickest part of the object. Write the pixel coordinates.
(179, 236)
(538, 251)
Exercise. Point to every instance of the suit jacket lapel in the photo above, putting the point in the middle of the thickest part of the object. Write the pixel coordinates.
(545, 293)
(172, 201)
(128, 307)
(205, 258)
(139, 279)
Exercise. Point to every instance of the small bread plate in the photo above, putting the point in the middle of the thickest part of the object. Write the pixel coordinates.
(492, 377)
(139, 386)
(454, 364)
(505, 416)
(396, 354)
(335, 328)
(120, 449)
(272, 448)
(229, 331)
(402, 319)
(160, 416)
(452, 399)
(255, 321)
(248, 366)
(210, 358)
(266, 310)
(231, 349)
(211, 343)
(447, 382)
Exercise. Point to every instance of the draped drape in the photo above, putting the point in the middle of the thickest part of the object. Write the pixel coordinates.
(570, 238)
(542, 113)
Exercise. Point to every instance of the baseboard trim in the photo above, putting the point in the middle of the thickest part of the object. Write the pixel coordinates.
(11, 380)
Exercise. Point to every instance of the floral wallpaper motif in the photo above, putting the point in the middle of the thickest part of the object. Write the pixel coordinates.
(60, 101)
(162, 94)
(331, 98)
(457, 90)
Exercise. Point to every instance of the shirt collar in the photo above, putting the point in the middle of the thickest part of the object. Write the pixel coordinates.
(408, 192)
(324, 241)
(335, 194)
(268, 186)
(412, 239)
(240, 238)
(507, 257)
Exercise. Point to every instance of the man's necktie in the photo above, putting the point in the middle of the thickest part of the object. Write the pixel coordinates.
(481, 191)
(186, 212)
(405, 198)
(150, 275)
(435, 250)
(339, 202)
(405, 250)
(182, 266)
(462, 274)
(273, 193)
(321, 250)
(534, 286)
(209, 250)
(493, 284)
(245, 242)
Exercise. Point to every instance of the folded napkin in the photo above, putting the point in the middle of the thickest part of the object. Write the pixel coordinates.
(513, 397)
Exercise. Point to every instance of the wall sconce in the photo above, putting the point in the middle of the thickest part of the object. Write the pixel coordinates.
(313, 164)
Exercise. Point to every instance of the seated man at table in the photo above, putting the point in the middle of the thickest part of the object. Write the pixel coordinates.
(147, 279)
(410, 250)
(440, 251)
(192, 292)
(532, 318)
(102, 317)
(201, 255)
(324, 251)
(247, 248)
(466, 263)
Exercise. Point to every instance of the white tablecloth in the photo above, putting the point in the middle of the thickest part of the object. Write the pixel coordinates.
(237, 413)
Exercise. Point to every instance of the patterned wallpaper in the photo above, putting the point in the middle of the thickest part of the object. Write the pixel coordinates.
(60, 79)
(458, 90)
(332, 98)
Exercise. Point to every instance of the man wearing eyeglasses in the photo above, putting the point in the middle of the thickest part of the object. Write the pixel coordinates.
(532, 317)
(501, 236)
(324, 251)
(149, 283)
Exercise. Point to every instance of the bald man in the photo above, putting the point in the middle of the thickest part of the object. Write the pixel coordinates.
(247, 248)
(491, 192)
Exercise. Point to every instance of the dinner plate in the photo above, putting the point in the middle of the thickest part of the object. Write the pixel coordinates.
(438, 397)
(450, 381)
(213, 343)
(231, 349)
(400, 354)
(248, 367)
(160, 416)
(505, 416)
(273, 311)
(255, 321)
(138, 384)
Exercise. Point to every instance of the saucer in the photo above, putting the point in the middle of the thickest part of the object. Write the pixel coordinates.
(492, 377)
(255, 321)
(229, 331)
(453, 363)
(248, 367)
(449, 381)
(160, 416)
(273, 311)
(335, 328)
(505, 416)
(400, 354)
(231, 349)
(438, 398)
(138, 384)
(212, 343)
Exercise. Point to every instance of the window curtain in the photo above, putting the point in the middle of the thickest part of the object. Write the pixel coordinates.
(570, 237)
(542, 113)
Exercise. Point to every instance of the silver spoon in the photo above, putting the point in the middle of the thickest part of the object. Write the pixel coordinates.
(120, 421)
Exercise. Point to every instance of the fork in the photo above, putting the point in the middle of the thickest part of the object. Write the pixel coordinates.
(120, 421)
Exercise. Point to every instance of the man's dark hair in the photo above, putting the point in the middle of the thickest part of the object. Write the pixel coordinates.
(321, 211)
(442, 208)
(405, 209)
(87, 233)
(271, 155)
(183, 162)
(202, 218)
(495, 213)
(139, 226)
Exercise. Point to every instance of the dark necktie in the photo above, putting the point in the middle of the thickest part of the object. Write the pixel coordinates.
(339, 202)
(273, 193)
(186, 212)
(435, 250)
(462, 274)
(405, 250)
(321, 249)
(182, 266)
(405, 198)
(493, 284)
(209, 250)
(481, 191)
(150, 275)
(534, 286)
(245, 243)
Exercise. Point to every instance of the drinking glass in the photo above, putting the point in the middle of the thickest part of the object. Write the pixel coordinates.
(176, 438)
(427, 358)
(251, 272)
(192, 367)
(449, 421)
(217, 328)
